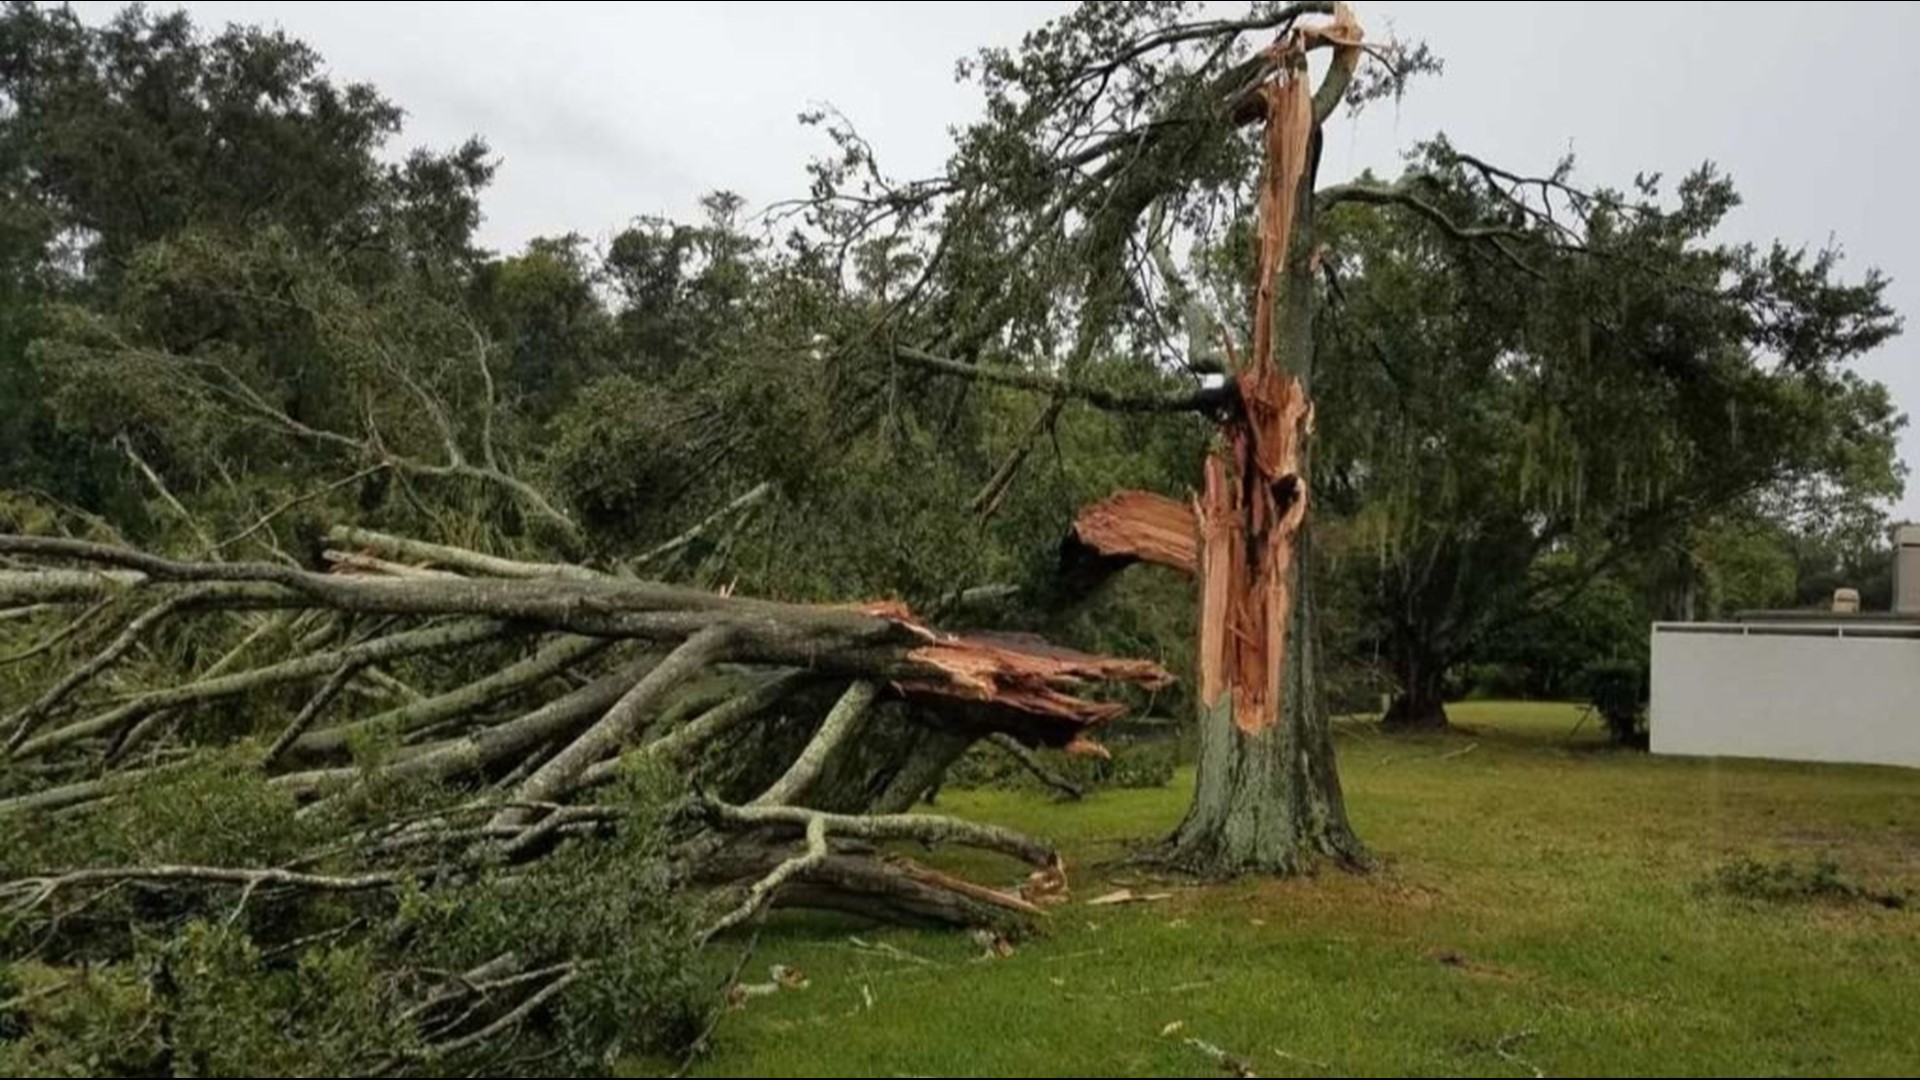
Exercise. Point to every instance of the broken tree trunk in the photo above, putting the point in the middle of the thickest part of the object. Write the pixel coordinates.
(1267, 795)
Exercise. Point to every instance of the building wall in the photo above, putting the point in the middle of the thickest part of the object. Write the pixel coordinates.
(1815, 692)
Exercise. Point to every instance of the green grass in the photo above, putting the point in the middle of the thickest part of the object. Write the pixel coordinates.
(1541, 903)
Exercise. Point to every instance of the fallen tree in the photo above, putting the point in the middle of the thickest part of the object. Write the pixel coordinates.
(796, 737)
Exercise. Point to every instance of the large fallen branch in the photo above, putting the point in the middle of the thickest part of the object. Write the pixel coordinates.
(591, 676)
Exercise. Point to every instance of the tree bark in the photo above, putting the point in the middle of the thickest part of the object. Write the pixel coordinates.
(1269, 801)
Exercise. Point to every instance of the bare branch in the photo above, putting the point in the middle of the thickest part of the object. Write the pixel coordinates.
(160, 488)
(987, 502)
(752, 498)
(1497, 236)
(569, 975)
(925, 828)
(24, 722)
(1030, 761)
(1200, 401)
(396, 646)
(55, 639)
(270, 516)
(55, 587)
(679, 747)
(841, 725)
(38, 890)
(310, 713)
(417, 716)
(559, 777)
(764, 890)
(453, 558)
(501, 742)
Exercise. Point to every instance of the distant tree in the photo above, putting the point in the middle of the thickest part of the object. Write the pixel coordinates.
(139, 131)
(1609, 391)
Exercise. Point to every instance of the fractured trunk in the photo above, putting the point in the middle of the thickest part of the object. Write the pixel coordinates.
(1267, 795)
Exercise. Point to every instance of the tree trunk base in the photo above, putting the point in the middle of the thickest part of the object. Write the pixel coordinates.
(1416, 716)
(1249, 816)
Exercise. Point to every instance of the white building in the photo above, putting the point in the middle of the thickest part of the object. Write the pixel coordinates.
(1798, 687)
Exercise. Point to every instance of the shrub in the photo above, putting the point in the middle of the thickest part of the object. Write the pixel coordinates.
(1789, 882)
(1617, 690)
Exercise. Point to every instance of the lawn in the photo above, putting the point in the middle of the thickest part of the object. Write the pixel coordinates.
(1539, 910)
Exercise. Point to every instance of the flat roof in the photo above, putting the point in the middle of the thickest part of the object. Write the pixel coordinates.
(1816, 615)
(1901, 629)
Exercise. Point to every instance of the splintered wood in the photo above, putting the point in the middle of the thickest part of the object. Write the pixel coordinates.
(1255, 499)
(1022, 672)
(1141, 525)
(1242, 535)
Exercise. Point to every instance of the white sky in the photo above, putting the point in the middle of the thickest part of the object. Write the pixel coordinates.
(602, 112)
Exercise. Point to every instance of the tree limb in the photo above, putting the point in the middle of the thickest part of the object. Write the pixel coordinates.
(311, 712)
(924, 828)
(752, 498)
(764, 890)
(40, 889)
(1029, 760)
(1200, 401)
(679, 746)
(1496, 236)
(840, 726)
(559, 777)
(396, 646)
(461, 560)
(552, 659)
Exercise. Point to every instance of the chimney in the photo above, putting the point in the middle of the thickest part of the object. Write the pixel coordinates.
(1906, 570)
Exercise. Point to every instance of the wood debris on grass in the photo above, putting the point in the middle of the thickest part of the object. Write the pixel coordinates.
(1127, 896)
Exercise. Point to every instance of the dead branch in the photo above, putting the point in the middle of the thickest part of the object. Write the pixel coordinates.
(839, 728)
(500, 742)
(929, 829)
(569, 973)
(1031, 762)
(763, 891)
(876, 641)
(1504, 1048)
(57, 638)
(461, 560)
(281, 508)
(310, 713)
(24, 722)
(37, 890)
(552, 659)
(679, 747)
(161, 489)
(987, 502)
(754, 497)
(561, 776)
(1199, 401)
(396, 646)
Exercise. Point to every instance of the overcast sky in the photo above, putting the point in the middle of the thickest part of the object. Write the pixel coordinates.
(600, 113)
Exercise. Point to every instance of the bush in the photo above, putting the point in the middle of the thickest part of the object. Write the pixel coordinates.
(1617, 690)
(1789, 882)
